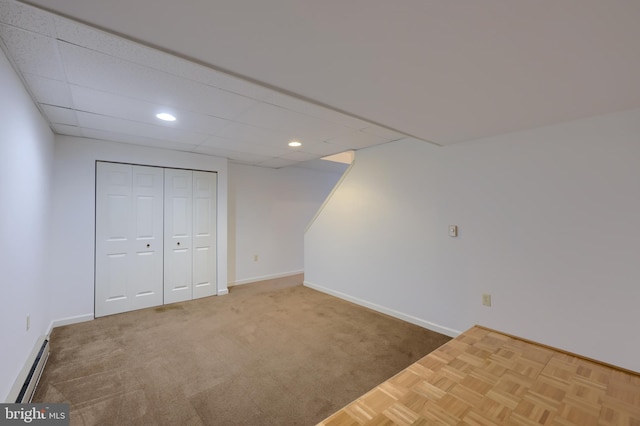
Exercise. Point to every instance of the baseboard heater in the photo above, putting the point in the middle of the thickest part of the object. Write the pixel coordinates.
(32, 371)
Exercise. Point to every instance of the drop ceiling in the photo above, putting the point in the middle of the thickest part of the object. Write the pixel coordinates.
(246, 76)
(94, 84)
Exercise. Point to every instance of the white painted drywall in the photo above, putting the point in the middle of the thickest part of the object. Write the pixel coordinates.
(549, 225)
(73, 215)
(26, 158)
(268, 212)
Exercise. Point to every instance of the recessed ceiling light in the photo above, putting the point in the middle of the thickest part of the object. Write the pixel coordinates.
(295, 144)
(166, 116)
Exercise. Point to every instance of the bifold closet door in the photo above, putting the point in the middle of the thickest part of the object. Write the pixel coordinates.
(189, 235)
(129, 244)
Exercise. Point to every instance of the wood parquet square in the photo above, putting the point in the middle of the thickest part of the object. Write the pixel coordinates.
(484, 377)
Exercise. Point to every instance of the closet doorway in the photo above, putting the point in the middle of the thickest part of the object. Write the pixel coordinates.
(155, 236)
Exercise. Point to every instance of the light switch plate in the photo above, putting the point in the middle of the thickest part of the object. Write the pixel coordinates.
(453, 230)
(486, 299)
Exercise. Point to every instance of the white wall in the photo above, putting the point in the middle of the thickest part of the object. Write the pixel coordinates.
(26, 157)
(548, 225)
(73, 215)
(268, 212)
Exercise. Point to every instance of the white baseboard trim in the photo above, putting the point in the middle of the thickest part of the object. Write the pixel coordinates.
(222, 292)
(387, 311)
(69, 320)
(265, 277)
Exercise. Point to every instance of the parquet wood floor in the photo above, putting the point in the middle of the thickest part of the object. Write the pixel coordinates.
(483, 377)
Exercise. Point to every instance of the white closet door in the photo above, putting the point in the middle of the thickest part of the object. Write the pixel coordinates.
(147, 226)
(128, 238)
(204, 234)
(178, 256)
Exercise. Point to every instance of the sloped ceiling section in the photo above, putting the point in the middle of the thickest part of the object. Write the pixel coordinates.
(94, 84)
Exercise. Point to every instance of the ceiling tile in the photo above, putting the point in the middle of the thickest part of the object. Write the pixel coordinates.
(49, 91)
(244, 157)
(265, 115)
(118, 106)
(294, 124)
(58, 115)
(243, 87)
(252, 134)
(109, 74)
(309, 128)
(106, 43)
(136, 140)
(321, 148)
(133, 128)
(318, 111)
(238, 145)
(32, 52)
(117, 47)
(65, 129)
(26, 17)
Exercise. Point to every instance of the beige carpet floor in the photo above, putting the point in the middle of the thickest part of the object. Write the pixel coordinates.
(269, 353)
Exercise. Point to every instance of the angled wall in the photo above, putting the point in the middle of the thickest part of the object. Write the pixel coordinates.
(268, 212)
(548, 225)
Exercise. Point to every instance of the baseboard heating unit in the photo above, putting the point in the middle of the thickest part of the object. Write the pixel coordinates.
(29, 377)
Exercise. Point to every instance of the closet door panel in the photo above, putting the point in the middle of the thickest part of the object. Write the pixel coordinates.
(178, 256)
(147, 227)
(204, 234)
(113, 206)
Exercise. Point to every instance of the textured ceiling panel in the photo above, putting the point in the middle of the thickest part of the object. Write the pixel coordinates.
(28, 18)
(33, 53)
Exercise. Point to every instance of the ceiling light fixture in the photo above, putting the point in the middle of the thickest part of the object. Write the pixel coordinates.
(295, 144)
(166, 116)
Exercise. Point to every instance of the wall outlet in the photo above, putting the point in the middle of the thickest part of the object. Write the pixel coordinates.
(453, 230)
(486, 299)
(28, 322)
